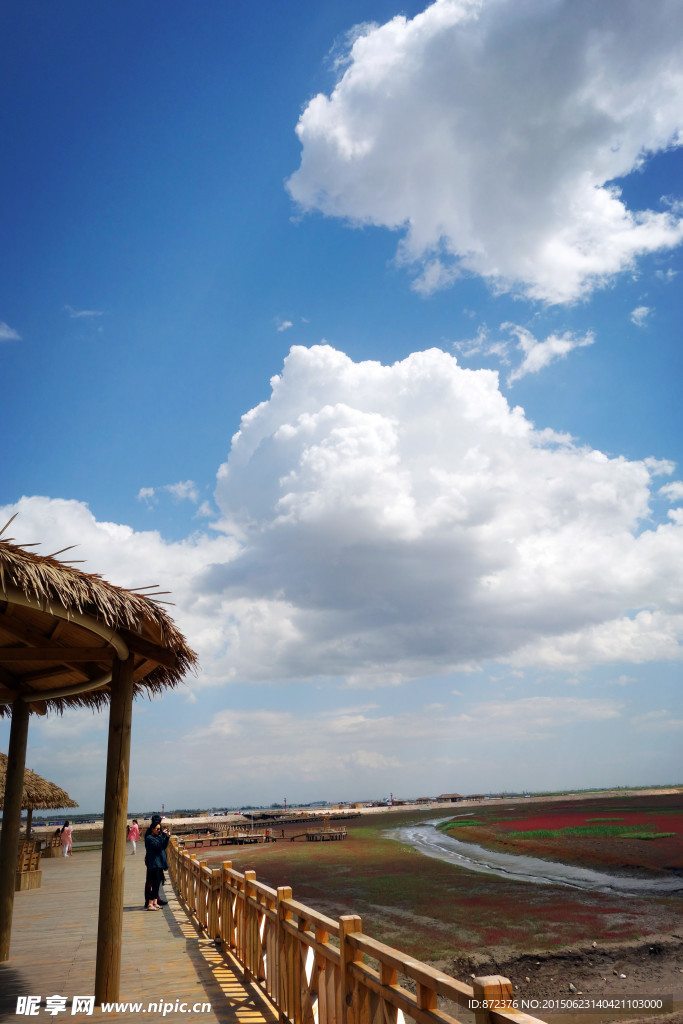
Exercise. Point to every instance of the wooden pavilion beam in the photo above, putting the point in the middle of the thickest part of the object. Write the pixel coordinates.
(87, 667)
(58, 628)
(110, 920)
(11, 820)
(64, 655)
(148, 649)
(8, 680)
(14, 595)
(32, 679)
(9, 623)
(20, 630)
(143, 669)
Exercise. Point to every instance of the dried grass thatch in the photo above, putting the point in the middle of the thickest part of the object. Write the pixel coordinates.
(39, 794)
(58, 594)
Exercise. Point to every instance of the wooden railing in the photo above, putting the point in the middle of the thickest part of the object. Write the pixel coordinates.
(315, 970)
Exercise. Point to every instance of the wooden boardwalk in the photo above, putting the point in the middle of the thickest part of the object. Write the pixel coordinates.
(165, 959)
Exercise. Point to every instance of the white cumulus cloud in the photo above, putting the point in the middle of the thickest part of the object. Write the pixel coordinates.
(639, 315)
(673, 491)
(8, 333)
(539, 354)
(404, 519)
(83, 314)
(184, 490)
(490, 133)
(666, 275)
(536, 354)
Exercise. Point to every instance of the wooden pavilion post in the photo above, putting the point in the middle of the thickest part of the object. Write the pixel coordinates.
(11, 819)
(110, 921)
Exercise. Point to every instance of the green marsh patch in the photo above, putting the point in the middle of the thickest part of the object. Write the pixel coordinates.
(616, 831)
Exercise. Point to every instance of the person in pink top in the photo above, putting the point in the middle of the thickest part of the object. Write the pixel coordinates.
(66, 839)
(133, 835)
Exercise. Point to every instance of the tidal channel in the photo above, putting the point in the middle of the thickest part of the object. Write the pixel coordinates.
(427, 839)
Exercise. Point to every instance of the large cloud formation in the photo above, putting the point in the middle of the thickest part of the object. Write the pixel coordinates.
(398, 521)
(382, 523)
(491, 132)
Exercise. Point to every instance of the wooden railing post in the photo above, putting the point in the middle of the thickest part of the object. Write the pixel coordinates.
(300, 981)
(285, 998)
(215, 905)
(271, 952)
(227, 922)
(247, 953)
(182, 875)
(348, 1011)
(426, 997)
(324, 980)
(192, 887)
(202, 902)
(262, 939)
(495, 992)
(389, 976)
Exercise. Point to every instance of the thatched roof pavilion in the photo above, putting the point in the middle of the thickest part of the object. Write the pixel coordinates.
(69, 638)
(38, 794)
(61, 629)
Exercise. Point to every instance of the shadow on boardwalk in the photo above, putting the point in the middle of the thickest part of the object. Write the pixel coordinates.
(165, 959)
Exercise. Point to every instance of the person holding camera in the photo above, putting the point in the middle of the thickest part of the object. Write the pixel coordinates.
(156, 841)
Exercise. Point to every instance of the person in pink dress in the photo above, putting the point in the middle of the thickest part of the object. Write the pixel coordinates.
(66, 839)
(133, 835)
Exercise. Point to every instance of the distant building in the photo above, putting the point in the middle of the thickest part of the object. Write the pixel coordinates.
(449, 798)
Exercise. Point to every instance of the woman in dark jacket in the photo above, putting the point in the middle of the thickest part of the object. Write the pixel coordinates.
(156, 842)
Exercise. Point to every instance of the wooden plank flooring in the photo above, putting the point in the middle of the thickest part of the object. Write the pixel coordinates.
(165, 959)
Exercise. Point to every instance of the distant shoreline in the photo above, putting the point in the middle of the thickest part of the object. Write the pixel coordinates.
(432, 805)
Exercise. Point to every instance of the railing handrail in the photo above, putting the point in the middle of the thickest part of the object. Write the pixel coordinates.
(284, 947)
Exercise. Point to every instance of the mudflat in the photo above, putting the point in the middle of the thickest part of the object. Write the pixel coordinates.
(640, 834)
(543, 937)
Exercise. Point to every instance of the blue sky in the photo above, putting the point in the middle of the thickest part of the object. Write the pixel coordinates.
(426, 260)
